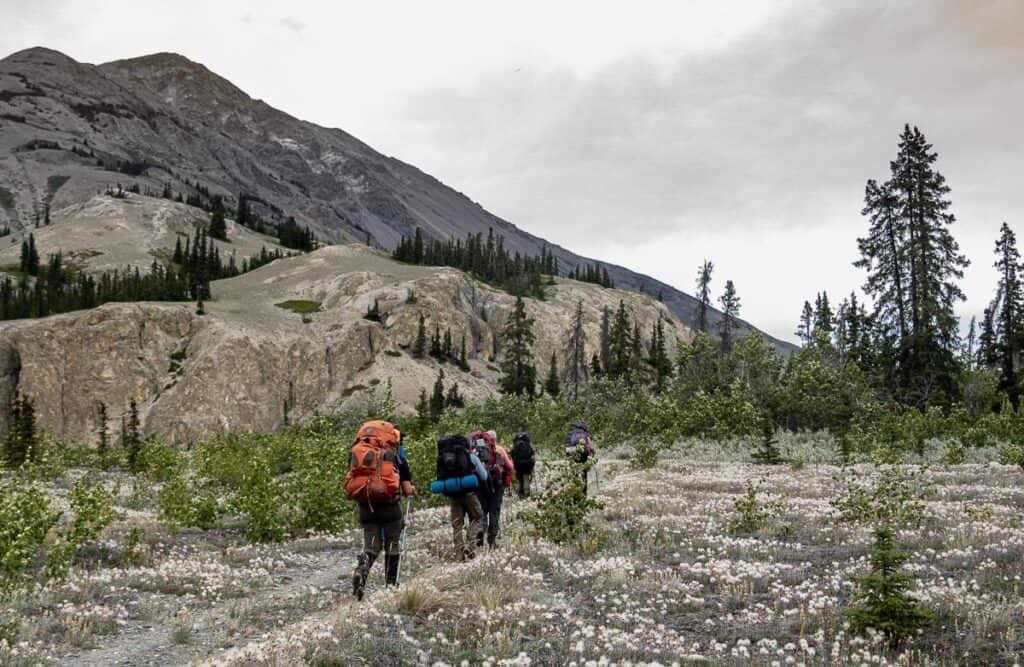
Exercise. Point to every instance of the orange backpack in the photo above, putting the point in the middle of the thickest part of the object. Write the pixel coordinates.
(373, 464)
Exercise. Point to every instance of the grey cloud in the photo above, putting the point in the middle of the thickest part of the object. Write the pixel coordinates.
(293, 24)
(779, 131)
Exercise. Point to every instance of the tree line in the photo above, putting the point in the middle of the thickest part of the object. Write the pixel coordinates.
(58, 287)
(487, 259)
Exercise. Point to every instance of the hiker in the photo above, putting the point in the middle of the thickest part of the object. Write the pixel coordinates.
(377, 478)
(579, 447)
(459, 473)
(524, 460)
(499, 472)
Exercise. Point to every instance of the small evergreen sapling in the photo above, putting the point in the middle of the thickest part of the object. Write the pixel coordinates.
(882, 600)
(767, 449)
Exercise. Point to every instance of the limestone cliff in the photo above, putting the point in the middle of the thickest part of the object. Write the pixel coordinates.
(248, 364)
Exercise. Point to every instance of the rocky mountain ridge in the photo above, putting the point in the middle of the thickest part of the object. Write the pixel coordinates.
(69, 130)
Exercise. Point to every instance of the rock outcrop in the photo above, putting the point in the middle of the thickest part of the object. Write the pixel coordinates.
(249, 364)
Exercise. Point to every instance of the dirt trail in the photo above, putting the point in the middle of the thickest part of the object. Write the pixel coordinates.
(152, 642)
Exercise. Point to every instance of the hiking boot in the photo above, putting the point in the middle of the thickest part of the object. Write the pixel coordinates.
(363, 563)
(391, 569)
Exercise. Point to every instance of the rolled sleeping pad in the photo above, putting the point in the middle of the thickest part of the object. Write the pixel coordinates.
(454, 485)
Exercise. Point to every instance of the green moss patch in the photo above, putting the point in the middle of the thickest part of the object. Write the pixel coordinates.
(300, 306)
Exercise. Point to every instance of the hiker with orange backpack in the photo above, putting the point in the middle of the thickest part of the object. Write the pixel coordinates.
(491, 494)
(377, 478)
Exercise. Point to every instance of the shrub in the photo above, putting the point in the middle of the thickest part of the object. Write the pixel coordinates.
(767, 449)
(93, 510)
(896, 498)
(645, 454)
(182, 504)
(749, 514)
(26, 517)
(560, 513)
(881, 599)
(1012, 455)
(159, 460)
(260, 499)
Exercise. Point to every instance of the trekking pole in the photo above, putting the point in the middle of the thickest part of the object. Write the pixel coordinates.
(401, 539)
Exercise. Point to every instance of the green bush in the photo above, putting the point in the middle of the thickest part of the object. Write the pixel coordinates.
(561, 510)
(645, 454)
(750, 515)
(896, 498)
(262, 501)
(159, 460)
(92, 507)
(180, 504)
(26, 518)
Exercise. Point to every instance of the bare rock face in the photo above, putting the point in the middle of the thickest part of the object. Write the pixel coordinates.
(249, 364)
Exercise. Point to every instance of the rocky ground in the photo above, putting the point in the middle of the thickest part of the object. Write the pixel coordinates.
(663, 581)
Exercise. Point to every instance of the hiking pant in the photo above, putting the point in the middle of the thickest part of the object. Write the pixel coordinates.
(463, 508)
(523, 483)
(382, 531)
(490, 501)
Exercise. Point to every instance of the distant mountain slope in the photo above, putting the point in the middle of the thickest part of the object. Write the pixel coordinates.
(165, 119)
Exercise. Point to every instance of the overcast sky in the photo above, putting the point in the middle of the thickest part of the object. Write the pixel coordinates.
(650, 134)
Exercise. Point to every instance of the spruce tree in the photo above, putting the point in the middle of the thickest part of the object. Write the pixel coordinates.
(103, 446)
(658, 357)
(621, 344)
(423, 418)
(454, 399)
(437, 398)
(913, 264)
(1008, 334)
(823, 314)
(703, 295)
(131, 438)
(20, 443)
(605, 342)
(551, 384)
(576, 370)
(463, 362)
(218, 224)
(419, 347)
(805, 330)
(519, 376)
(729, 323)
(436, 349)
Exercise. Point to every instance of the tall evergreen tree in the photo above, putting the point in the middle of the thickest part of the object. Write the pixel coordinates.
(805, 330)
(576, 371)
(437, 398)
(551, 384)
(621, 344)
(20, 442)
(131, 438)
(218, 225)
(605, 341)
(988, 348)
(519, 376)
(703, 295)
(913, 263)
(419, 347)
(103, 447)
(1008, 333)
(729, 323)
(658, 357)
(823, 317)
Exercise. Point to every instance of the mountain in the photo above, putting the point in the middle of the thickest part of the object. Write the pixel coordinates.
(69, 130)
(248, 363)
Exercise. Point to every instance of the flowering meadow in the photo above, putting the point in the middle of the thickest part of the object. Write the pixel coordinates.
(694, 560)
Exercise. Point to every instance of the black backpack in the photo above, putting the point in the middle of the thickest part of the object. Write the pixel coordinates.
(522, 453)
(453, 457)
